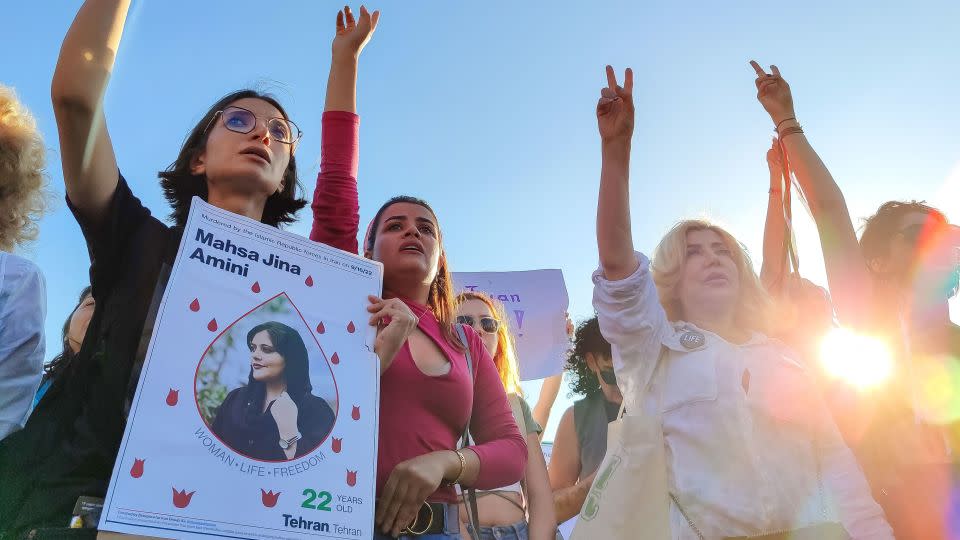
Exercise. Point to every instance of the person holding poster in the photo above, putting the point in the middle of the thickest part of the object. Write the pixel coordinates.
(525, 509)
(239, 157)
(275, 417)
(749, 446)
(424, 380)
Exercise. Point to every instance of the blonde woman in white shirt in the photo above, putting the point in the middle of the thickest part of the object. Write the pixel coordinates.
(750, 448)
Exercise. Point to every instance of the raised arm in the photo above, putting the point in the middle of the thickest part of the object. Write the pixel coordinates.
(772, 269)
(79, 83)
(847, 274)
(615, 121)
(336, 206)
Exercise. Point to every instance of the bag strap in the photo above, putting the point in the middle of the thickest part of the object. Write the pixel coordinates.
(469, 495)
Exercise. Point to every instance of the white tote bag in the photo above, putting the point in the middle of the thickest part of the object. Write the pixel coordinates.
(630, 497)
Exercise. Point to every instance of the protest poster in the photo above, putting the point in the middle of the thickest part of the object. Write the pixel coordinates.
(535, 302)
(211, 447)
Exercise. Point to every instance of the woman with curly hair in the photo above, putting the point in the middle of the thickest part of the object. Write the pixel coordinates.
(23, 302)
(581, 439)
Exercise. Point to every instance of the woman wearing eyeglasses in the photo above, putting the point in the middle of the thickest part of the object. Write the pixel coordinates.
(749, 446)
(893, 283)
(525, 509)
(238, 157)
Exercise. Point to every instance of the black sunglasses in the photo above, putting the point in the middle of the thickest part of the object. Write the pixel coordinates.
(487, 324)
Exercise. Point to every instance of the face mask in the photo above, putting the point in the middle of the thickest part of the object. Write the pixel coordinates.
(609, 376)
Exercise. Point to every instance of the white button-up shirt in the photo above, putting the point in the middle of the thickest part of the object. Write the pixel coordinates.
(23, 308)
(750, 446)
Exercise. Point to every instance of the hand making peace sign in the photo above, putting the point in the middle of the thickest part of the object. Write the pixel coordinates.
(615, 107)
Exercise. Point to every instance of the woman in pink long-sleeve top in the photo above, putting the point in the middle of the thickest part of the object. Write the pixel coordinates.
(427, 395)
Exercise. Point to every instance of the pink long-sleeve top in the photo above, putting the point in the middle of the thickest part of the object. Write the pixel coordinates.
(419, 413)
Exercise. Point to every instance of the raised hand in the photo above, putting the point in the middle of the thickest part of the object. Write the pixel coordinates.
(353, 35)
(615, 107)
(775, 160)
(774, 93)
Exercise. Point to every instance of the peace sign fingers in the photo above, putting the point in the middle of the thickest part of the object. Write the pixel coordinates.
(756, 67)
(627, 87)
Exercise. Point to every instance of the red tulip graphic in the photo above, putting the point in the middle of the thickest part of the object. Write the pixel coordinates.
(351, 328)
(212, 325)
(356, 412)
(256, 287)
(269, 498)
(335, 359)
(172, 397)
(337, 445)
(320, 328)
(308, 281)
(351, 478)
(137, 470)
(195, 305)
(181, 498)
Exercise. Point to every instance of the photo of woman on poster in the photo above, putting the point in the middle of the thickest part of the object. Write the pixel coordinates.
(275, 416)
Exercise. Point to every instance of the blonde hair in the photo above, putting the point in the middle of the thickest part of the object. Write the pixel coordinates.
(22, 175)
(754, 306)
(506, 357)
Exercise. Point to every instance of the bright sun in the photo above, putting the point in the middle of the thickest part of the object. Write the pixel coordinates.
(862, 361)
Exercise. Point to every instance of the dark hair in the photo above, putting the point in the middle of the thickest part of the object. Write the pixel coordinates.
(587, 339)
(296, 370)
(180, 185)
(441, 299)
(880, 228)
(61, 362)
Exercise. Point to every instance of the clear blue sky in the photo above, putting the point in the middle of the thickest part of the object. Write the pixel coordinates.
(487, 111)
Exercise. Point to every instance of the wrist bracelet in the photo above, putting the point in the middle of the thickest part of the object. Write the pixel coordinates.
(790, 131)
(782, 121)
(463, 465)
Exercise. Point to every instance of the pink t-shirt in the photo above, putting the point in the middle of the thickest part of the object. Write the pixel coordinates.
(419, 413)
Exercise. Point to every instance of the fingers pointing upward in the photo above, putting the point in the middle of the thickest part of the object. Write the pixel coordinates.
(627, 81)
(756, 67)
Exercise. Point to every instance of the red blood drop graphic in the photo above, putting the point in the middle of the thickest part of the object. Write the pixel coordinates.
(137, 470)
(351, 328)
(256, 287)
(309, 281)
(181, 498)
(337, 445)
(745, 381)
(320, 328)
(335, 359)
(195, 305)
(351, 478)
(269, 498)
(212, 325)
(356, 413)
(172, 397)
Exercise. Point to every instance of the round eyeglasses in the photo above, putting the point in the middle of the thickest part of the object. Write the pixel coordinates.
(240, 120)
